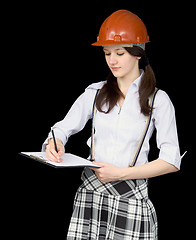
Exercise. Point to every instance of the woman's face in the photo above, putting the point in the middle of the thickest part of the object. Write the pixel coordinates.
(120, 62)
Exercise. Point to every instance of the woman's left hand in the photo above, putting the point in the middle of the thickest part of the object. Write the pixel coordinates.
(107, 172)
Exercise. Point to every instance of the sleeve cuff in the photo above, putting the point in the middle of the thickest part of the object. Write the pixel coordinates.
(171, 154)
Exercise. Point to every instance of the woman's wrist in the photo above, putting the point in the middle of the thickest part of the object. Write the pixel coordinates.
(58, 140)
(151, 169)
(124, 174)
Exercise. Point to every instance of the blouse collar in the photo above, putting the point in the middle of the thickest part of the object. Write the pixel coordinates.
(138, 80)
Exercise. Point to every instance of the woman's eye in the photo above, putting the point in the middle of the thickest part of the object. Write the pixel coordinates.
(120, 54)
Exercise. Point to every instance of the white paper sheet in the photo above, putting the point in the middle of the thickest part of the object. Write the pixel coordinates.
(69, 160)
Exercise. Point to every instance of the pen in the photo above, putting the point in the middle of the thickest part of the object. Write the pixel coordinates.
(54, 140)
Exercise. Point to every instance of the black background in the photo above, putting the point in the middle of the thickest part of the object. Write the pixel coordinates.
(49, 62)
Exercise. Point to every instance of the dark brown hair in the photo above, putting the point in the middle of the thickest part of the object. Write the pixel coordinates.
(110, 92)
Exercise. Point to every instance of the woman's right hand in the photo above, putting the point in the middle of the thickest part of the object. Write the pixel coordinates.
(51, 153)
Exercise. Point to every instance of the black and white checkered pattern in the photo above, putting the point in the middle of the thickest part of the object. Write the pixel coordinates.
(118, 210)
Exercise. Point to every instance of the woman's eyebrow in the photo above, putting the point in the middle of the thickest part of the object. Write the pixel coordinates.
(116, 49)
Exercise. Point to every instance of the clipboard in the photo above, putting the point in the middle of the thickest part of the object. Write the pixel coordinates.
(69, 160)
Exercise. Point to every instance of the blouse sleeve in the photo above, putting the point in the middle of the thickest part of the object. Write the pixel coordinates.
(165, 124)
(76, 118)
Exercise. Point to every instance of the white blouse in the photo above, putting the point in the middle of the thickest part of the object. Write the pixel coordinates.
(117, 133)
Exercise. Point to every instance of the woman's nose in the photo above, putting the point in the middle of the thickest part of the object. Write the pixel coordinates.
(112, 59)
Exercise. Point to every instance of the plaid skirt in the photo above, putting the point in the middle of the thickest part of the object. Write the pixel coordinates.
(119, 210)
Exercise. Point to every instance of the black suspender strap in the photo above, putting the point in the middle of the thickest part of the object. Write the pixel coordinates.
(92, 150)
(139, 147)
(148, 119)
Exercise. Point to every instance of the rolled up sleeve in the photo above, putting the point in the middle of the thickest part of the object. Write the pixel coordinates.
(165, 124)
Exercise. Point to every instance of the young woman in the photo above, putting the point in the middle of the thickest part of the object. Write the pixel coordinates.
(112, 203)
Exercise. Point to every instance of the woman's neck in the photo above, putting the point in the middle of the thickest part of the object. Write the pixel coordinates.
(125, 82)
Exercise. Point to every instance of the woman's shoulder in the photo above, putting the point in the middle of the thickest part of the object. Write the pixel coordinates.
(89, 94)
(162, 100)
(162, 96)
(96, 86)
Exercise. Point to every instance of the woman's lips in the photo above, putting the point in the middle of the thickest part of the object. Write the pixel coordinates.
(115, 68)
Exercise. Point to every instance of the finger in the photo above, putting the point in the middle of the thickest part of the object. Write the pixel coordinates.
(95, 169)
(61, 149)
(55, 155)
(50, 156)
(92, 168)
(100, 164)
(60, 146)
(51, 153)
(60, 153)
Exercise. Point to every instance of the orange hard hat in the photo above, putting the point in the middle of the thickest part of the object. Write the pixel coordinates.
(122, 28)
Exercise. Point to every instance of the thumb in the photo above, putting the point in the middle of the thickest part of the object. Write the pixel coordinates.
(101, 164)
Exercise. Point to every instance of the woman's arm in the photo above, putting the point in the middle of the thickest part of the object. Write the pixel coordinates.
(152, 169)
(109, 172)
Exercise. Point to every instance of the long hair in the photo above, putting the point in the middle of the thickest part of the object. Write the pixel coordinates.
(110, 92)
